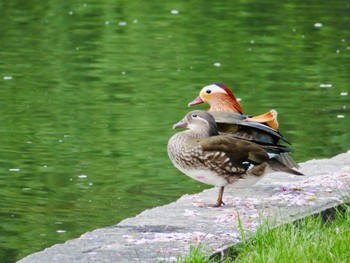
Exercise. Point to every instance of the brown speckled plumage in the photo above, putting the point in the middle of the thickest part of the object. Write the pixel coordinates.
(216, 159)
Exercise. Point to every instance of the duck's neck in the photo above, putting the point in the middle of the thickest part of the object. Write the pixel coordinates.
(224, 104)
(203, 133)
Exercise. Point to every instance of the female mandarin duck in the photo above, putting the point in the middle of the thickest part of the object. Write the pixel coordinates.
(221, 98)
(204, 155)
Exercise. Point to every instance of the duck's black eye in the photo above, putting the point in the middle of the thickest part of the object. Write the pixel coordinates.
(194, 115)
(208, 91)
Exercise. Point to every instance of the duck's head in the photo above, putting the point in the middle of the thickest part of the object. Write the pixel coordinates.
(219, 97)
(200, 122)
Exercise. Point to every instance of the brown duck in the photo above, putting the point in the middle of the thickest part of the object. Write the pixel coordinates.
(204, 155)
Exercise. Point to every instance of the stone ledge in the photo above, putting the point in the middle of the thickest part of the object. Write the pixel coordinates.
(162, 233)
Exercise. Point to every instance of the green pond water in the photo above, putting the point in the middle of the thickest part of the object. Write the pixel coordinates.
(89, 91)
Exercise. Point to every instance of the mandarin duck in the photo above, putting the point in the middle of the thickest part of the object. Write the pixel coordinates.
(220, 160)
(221, 98)
(229, 117)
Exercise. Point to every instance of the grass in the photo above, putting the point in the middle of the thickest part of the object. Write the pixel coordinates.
(313, 239)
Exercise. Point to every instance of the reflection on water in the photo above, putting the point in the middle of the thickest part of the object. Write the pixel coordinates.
(89, 92)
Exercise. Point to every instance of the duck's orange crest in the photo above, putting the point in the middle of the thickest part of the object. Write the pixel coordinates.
(234, 101)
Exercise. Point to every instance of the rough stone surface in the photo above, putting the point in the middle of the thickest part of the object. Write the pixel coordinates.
(163, 233)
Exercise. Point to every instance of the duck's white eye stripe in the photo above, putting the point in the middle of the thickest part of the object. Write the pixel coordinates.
(205, 121)
(213, 88)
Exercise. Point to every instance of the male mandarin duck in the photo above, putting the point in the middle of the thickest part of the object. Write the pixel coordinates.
(228, 114)
(221, 98)
(220, 160)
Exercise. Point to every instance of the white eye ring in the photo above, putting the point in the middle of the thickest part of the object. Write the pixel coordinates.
(194, 115)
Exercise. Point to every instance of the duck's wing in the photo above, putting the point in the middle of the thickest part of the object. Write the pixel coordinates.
(230, 122)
